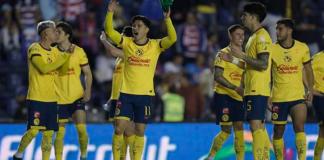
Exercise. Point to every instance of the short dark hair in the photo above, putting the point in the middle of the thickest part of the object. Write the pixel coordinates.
(287, 22)
(234, 27)
(127, 31)
(67, 29)
(145, 20)
(257, 9)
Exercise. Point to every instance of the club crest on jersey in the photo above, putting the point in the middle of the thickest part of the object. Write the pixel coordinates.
(139, 52)
(287, 58)
(225, 117)
(36, 121)
(275, 116)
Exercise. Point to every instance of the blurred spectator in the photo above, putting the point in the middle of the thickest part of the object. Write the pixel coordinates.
(28, 14)
(49, 9)
(71, 9)
(192, 38)
(9, 34)
(174, 106)
(206, 13)
(196, 68)
(194, 99)
(174, 66)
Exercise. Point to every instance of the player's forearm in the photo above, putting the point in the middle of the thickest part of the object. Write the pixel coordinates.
(88, 78)
(46, 68)
(309, 77)
(109, 29)
(112, 49)
(221, 80)
(259, 64)
(167, 42)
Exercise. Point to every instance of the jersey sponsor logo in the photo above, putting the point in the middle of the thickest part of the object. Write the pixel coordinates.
(225, 110)
(287, 69)
(236, 76)
(137, 61)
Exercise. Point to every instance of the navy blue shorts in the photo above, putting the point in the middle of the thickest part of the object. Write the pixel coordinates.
(318, 103)
(112, 108)
(281, 110)
(66, 110)
(134, 107)
(42, 115)
(255, 107)
(228, 110)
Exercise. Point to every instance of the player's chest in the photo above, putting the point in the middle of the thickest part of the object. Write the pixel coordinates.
(287, 56)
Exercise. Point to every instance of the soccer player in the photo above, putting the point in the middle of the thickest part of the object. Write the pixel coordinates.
(116, 85)
(257, 76)
(289, 57)
(141, 55)
(71, 95)
(228, 95)
(318, 101)
(43, 60)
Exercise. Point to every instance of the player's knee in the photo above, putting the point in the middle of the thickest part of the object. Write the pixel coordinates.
(321, 131)
(299, 128)
(238, 126)
(119, 130)
(255, 125)
(227, 129)
(33, 132)
(139, 131)
(278, 131)
(129, 131)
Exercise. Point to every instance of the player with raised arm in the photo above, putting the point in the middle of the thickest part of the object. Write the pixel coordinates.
(141, 55)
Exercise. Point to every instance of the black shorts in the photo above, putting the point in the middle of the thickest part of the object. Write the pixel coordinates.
(280, 110)
(66, 110)
(228, 110)
(42, 115)
(318, 103)
(134, 107)
(255, 107)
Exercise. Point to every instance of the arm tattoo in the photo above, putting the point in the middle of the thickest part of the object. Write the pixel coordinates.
(219, 78)
(261, 63)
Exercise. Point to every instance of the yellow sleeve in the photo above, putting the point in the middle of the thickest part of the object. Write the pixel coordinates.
(112, 34)
(306, 57)
(41, 66)
(83, 58)
(219, 62)
(263, 44)
(167, 42)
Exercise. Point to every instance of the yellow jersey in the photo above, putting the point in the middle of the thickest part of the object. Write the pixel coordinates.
(117, 78)
(318, 69)
(232, 73)
(41, 87)
(68, 83)
(139, 67)
(287, 71)
(258, 82)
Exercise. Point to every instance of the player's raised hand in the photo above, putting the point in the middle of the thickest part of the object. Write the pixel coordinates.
(112, 5)
(167, 13)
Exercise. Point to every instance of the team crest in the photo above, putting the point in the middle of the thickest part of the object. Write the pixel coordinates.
(225, 117)
(139, 52)
(117, 111)
(275, 116)
(36, 121)
(287, 58)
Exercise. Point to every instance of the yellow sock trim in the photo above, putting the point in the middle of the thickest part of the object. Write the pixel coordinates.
(83, 139)
(117, 145)
(138, 147)
(59, 143)
(130, 142)
(258, 144)
(301, 145)
(218, 142)
(26, 139)
(278, 146)
(46, 145)
(239, 144)
(319, 148)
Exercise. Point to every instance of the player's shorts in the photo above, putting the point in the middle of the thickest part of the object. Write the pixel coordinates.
(280, 110)
(255, 107)
(228, 110)
(66, 110)
(318, 103)
(112, 109)
(134, 107)
(42, 115)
